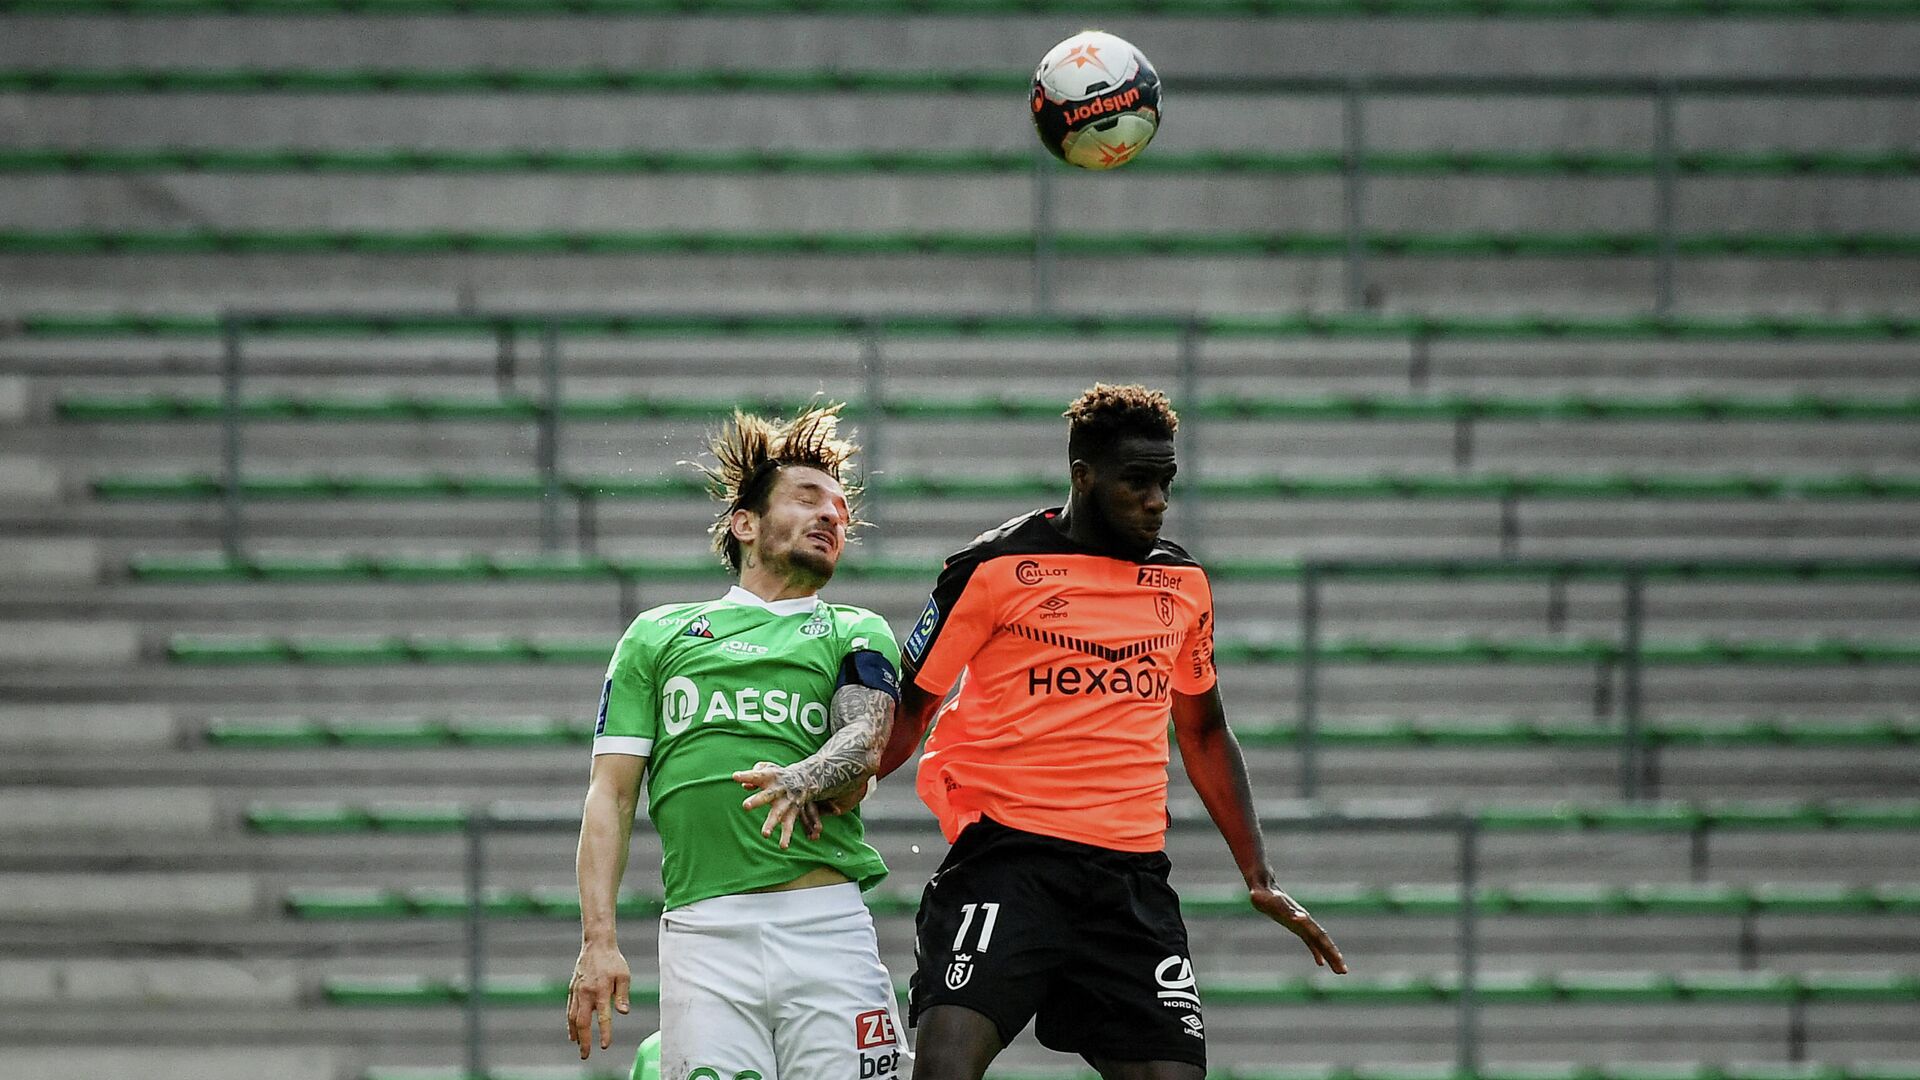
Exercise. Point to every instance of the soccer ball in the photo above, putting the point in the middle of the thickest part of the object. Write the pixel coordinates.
(1096, 100)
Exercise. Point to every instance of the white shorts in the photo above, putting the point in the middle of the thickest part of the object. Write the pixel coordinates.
(776, 986)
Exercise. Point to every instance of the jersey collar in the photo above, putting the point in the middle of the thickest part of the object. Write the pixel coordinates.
(799, 605)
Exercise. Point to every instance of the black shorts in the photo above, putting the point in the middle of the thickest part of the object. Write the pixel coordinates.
(1086, 941)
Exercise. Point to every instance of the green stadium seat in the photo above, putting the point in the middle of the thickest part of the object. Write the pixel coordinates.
(1624, 987)
(399, 733)
(1536, 245)
(1769, 814)
(522, 731)
(1861, 986)
(1807, 1070)
(1657, 1071)
(1799, 898)
(469, 567)
(1652, 815)
(392, 990)
(1773, 328)
(306, 567)
(500, 902)
(1424, 899)
(417, 817)
(1490, 10)
(308, 817)
(149, 408)
(355, 651)
(1670, 898)
(347, 903)
(1755, 987)
(1560, 899)
(1863, 813)
(194, 649)
(275, 734)
(1901, 899)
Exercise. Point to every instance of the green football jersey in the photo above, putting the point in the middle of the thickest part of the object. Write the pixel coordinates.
(707, 689)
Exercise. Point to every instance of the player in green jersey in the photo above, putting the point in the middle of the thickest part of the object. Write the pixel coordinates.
(768, 963)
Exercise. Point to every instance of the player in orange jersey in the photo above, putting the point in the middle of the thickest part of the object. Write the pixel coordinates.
(1073, 632)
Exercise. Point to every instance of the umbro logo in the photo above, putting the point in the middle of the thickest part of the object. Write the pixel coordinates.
(1054, 608)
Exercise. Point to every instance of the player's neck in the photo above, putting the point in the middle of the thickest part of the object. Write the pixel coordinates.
(775, 583)
(1083, 525)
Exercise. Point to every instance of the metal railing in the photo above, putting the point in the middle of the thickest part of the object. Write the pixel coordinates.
(869, 333)
(484, 822)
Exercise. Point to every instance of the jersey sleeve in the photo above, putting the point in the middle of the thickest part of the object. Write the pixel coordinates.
(872, 656)
(957, 621)
(1193, 671)
(629, 701)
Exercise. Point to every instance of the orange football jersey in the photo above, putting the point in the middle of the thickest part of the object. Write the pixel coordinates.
(1067, 661)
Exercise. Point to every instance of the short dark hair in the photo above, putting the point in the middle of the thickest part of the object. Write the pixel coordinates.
(1104, 414)
(750, 452)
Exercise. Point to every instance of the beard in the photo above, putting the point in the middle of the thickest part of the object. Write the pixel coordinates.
(798, 559)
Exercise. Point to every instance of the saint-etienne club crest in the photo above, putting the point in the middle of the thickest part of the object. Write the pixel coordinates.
(818, 625)
(959, 971)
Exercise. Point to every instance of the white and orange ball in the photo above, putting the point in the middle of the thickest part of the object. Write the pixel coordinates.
(1095, 100)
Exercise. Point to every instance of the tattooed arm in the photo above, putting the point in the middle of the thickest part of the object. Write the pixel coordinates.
(860, 719)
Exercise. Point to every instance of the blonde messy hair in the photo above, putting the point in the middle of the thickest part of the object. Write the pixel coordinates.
(751, 451)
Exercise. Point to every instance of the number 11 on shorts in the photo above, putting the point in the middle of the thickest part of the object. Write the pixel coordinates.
(990, 914)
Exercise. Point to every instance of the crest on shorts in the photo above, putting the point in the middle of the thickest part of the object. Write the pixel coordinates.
(959, 971)
(1163, 607)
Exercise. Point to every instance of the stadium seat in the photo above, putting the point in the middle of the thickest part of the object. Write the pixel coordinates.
(1437, 486)
(421, 649)
(1389, 989)
(1767, 327)
(1657, 816)
(147, 408)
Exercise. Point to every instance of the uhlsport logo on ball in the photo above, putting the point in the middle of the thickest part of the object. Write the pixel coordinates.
(1095, 101)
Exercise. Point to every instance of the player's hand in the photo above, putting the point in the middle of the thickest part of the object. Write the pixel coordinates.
(600, 986)
(787, 804)
(1283, 909)
(837, 806)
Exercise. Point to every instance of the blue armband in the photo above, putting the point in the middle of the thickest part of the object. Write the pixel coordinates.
(872, 670)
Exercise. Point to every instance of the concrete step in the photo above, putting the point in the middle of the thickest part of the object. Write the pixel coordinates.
(68, 562)
(920, 448)
(705, 366)
(243, 875)
(64, 643)
(84, 729)
(883, 202)
(996, 43)
(26, 481)
(93, 895)
(49, 809)
(1218, 285)
(52, 1060)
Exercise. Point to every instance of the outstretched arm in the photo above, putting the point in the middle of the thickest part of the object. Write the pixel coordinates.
(1219, 774)
(860, 718)
(917, 709)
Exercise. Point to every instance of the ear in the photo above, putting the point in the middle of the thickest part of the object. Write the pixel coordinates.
(745, 526)
(1083, 476)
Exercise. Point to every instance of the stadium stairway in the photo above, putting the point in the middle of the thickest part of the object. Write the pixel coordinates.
(90, 85)
(231, 790)
(278, 842)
